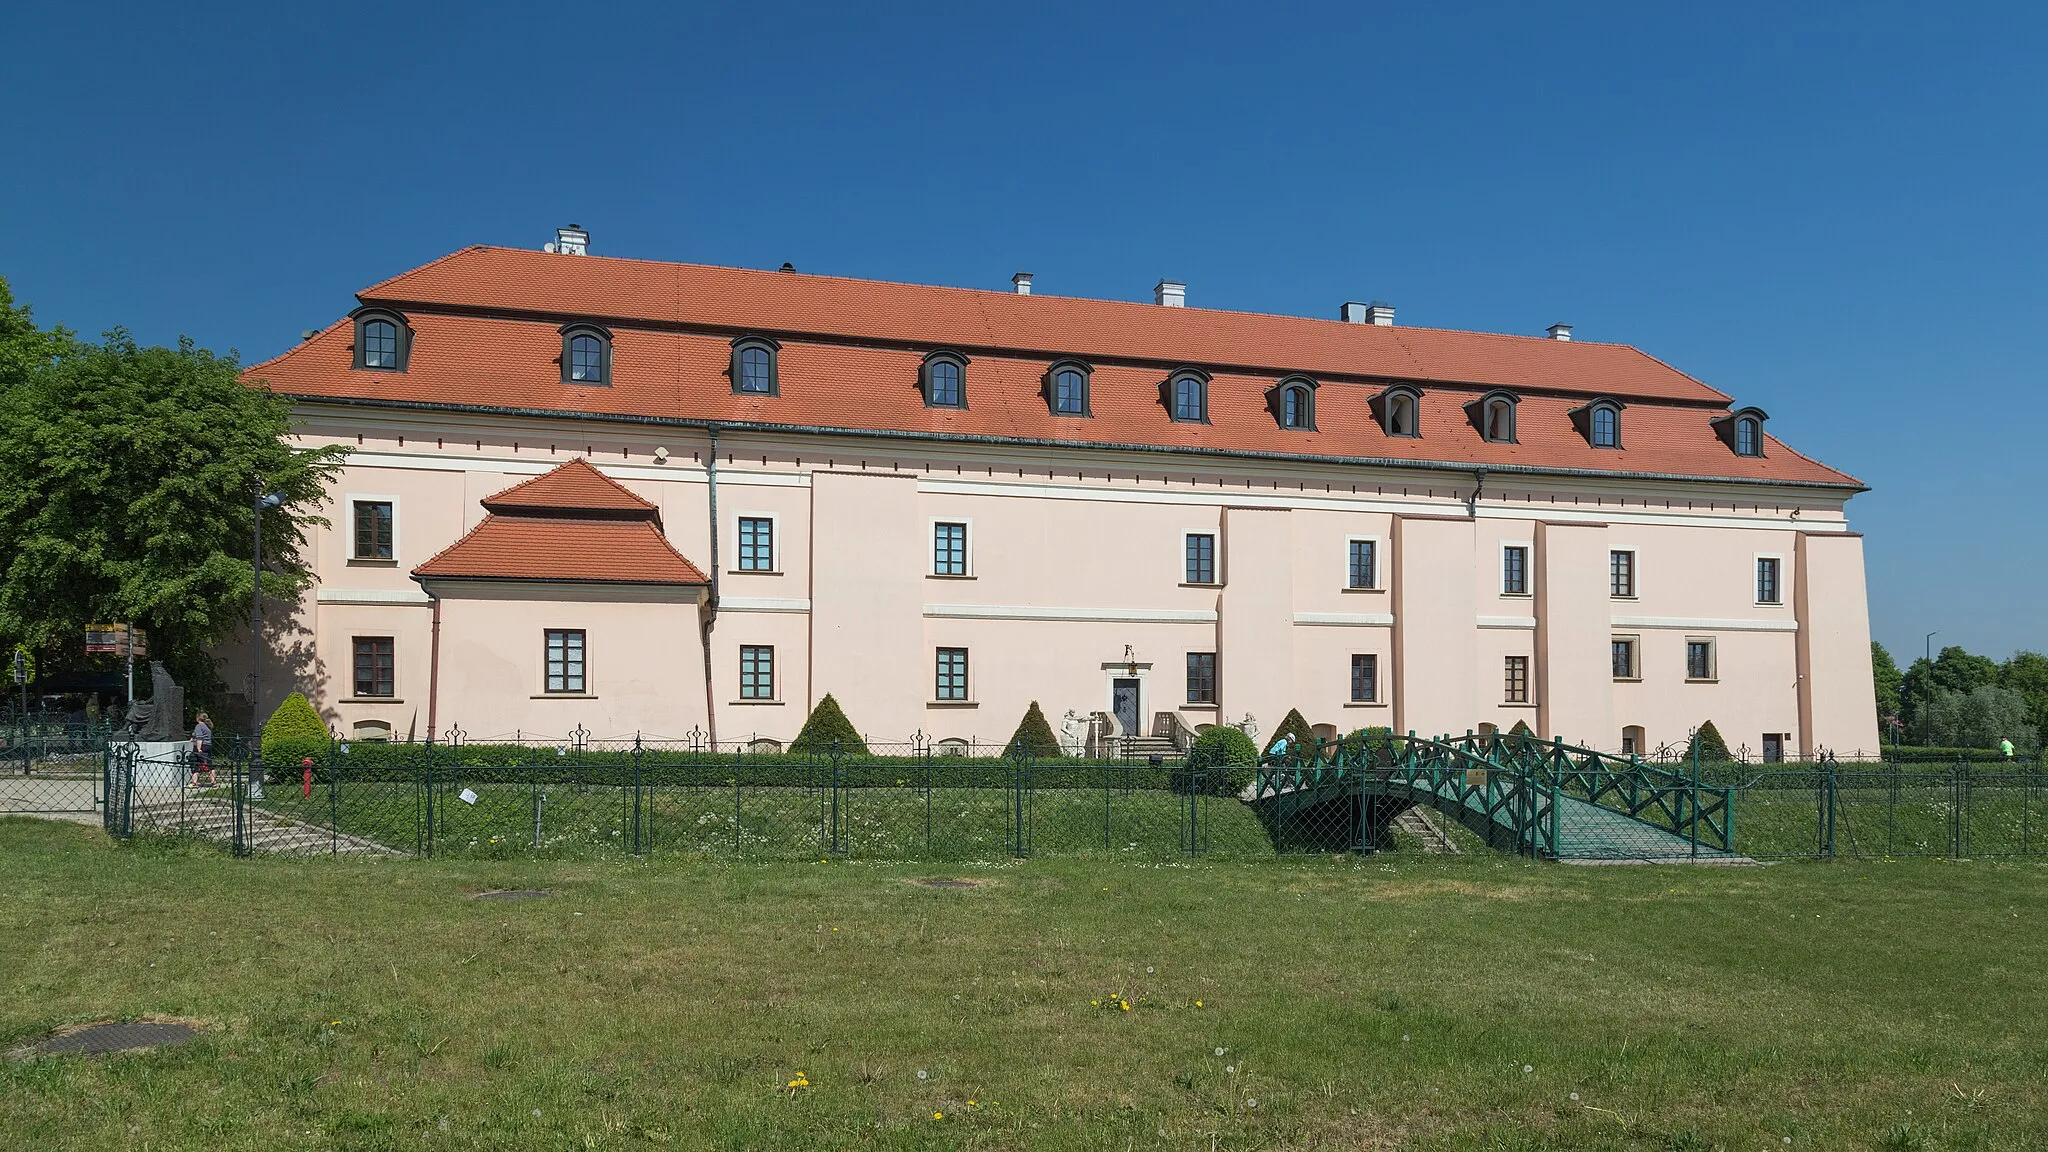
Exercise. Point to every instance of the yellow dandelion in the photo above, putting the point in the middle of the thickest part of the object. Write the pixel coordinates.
(1124, 1004)
(938, 1115)
(970, 1103)
(1198, 1003)
(1095, 1003)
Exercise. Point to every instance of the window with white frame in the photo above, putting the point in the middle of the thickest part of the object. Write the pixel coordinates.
(757, 544)
(564, 656)
(1627, 651)
(1769, 588)
(949, 548)
(1621, 574)
(375, 528)
(1363, 568)
(1201, 558)
(1514, 570)
(375, 665)
(1365, 678)
(1517, 680)
(1201, 677)
(951, 679)
(757, 672)
(1699, 658)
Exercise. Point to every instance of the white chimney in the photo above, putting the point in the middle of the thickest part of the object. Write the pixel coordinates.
(1378, 312)
(1561, 332)
(1021, 283)
(570, 241)
(1170, 294)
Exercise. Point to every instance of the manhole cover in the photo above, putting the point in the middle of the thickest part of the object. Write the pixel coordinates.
(511, 894)
(100, 1039)
(940, 883)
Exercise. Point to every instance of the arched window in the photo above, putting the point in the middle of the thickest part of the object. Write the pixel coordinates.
(383, 341)
(1187, 397)
(753, 366)
(1606, 427)
(1494, 414)
(1400, 411)
(586, 355)
(1294, 403)
(1749, 437)
(945, 380)
(1067, 389)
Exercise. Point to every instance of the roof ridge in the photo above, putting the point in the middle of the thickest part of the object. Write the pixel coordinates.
(429, 264)
(573, 463)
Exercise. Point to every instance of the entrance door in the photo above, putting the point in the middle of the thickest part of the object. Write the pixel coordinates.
(1123, 698)
(1774, 748)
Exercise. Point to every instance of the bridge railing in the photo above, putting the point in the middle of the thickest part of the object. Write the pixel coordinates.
(1666, 796)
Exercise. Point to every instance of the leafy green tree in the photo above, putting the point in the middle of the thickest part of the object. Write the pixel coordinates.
(1300, 737)
(828, 728)
(1220, 763)
(127, 477)
(1980, 718)
(1712, 748)
(24, 348)
(2027, 674)
(1884, 671)
(1034, 737)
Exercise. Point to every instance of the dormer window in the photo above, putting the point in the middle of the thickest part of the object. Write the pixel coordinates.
(1293, 401)
(1400, 411)
(1066, 388)
(753, 366)
(1494, 415)
(1599, 422)
(1743, 431)
(586, 355)
(383, 341)
(945, 380)
(1187, 396)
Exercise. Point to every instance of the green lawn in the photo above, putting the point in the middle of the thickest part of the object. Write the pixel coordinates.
(1360, 1002)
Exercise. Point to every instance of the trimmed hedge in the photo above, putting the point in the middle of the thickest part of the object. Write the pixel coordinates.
(1712, 749)
(1296, 731)
(1034, 737)
(293, 733)
(828, 728)
(1221, 762)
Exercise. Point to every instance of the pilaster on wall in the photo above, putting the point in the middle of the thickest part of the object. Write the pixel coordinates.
(1574, 664)
(868, 564)
(1434, 612)
(1837, 698)
(1255, 626)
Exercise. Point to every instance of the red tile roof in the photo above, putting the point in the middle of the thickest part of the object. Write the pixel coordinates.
(486, 335)
(570, 524)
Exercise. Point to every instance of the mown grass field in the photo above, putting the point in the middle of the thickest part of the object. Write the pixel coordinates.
(1480, 1002)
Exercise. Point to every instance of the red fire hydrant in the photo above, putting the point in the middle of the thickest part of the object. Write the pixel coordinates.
(306, 784)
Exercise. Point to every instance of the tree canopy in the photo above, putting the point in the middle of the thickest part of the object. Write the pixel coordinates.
(127, 477)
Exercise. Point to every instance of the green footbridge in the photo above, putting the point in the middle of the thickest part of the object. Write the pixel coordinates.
(1538, 798)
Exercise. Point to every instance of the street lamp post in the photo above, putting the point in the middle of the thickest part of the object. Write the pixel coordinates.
(1927, 690)
(263, 501)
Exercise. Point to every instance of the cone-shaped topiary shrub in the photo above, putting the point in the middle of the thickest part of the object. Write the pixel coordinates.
(293, 733)
(828, 728)
(1712, 749)
(1034, 737)
(1220, 763)
(1300, 737)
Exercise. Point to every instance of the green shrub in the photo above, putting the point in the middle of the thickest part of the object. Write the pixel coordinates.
(1220, 763)
(1376, 743)
(1034, 737)
(1708, 743)
(293, 733)
(827, 729)
(1300, 737)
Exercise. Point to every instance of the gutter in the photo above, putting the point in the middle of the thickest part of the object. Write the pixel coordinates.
(1851, 487)
(708, 616)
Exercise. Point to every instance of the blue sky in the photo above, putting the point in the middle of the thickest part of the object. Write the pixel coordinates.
(1836, 214)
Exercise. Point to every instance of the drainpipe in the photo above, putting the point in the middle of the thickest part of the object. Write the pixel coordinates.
(433, 667)
(1478, 486)
(708, 613)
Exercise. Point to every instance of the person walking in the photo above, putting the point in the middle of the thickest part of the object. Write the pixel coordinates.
(2005, 746)
(202, 750)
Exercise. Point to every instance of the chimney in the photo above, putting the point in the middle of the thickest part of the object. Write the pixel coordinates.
(1562, 332)
(1021, 283)
(570, 241)
(1378, 312)
(1170, 294)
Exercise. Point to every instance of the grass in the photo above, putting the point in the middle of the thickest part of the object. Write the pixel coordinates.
(365, 1004)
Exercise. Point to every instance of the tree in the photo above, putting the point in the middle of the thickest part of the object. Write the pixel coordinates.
(126, 489)
(1034, 736)
(1220, 763)
(1300, 737)
(24, 348)
(1884, 671)
(1980, 719)
(2027, 674)
(1711, 747)
(293, 732)
(827, 730)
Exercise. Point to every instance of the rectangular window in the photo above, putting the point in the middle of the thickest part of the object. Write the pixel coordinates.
(1518, 680)
(949, 549)
(1514, 570)
(1365, 679)
(373, 530)
(952, 675)
(1201, 558)
(1699, 659)
(1201, 677)
(374, 663)
(565, 660)
(757, 544)
(1621, 571)
(757, 672)
(1364, 564)
(1767, 589)
(1625, 667)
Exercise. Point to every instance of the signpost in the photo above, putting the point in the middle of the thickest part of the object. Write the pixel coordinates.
(21, 679)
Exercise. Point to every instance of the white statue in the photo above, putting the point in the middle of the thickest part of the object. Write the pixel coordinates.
(1249, 726)
(1073, 733)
